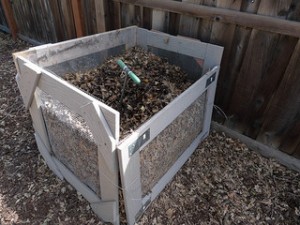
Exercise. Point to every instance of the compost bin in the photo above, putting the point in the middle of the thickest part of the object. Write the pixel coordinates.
(78, 134)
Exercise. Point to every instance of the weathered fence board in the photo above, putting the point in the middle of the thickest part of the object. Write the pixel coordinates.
(78, 17)
(2, 17)
(44, 20)
(189, 25)
(205, 25)
(259, 56)
(30, 17)
(57, 21)
(67, 18)
(100, 8)
(147, 18)
(223, 34)
(127, 15)
(283, 49)
(174, 19)
(281, 125)
(160, 20)
(7, 20)
(230, 70)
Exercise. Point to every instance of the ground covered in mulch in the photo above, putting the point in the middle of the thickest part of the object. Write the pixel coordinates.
(222, 183)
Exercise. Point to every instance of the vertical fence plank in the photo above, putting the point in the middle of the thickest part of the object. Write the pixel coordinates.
(294, 11)
(250, 6)
(78, 17)
(160, 20)
(223, 34)
(127, 15)
(188, 26)
(138, 14)
(281, 125)
(7, 8)
(43, 21)
(100, 15)
(279, 58)
(290, 141)
(36, 19)
(174, 20)
(51, 29)
(34, 28)
(88, 8)
(262, 46)
(67, 19)
(253, 69)
(3, 21)
(147, 18)
(296, 152)
(236, 55)
(57, 23)
(108, 14)
(21, 19)
(205, 26)
(31, 18)
(117, 15)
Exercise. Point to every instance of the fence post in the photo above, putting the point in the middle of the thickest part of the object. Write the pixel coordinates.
(10, 17)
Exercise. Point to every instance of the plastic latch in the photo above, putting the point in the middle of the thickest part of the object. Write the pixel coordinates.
(210, 80)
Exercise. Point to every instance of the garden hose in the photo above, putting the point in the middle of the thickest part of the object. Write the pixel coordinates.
(128, 72)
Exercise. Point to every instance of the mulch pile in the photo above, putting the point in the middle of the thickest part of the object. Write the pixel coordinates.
(160, 83)
(222, 183)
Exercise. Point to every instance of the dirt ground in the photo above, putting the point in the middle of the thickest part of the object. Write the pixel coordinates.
(222, 183)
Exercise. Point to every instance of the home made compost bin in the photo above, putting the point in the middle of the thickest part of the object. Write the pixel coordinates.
(78, 135)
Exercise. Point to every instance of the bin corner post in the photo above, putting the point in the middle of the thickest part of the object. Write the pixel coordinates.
(27, 81)
(131, 184)
(108, 208)
(213, 57)
(211, 91)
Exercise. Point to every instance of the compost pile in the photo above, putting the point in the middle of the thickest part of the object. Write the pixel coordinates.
(223, 182)
(161, 82)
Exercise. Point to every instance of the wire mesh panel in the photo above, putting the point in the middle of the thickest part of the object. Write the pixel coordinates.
(163, 151)
(72, 141)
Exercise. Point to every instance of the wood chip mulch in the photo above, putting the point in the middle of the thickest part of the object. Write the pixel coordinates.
(222, 183)
(161, 82)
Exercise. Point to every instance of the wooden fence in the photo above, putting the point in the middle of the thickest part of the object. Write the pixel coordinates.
(3, 22)
(259, 85)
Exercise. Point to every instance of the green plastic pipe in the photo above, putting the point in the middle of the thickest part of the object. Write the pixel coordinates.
(128, 72)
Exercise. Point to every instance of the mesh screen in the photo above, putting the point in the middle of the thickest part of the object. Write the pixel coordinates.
(163, 151)
(71, 141)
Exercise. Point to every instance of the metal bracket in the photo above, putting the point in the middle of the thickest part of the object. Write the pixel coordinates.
(210, 80)
(146, 202)
(139, 142)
